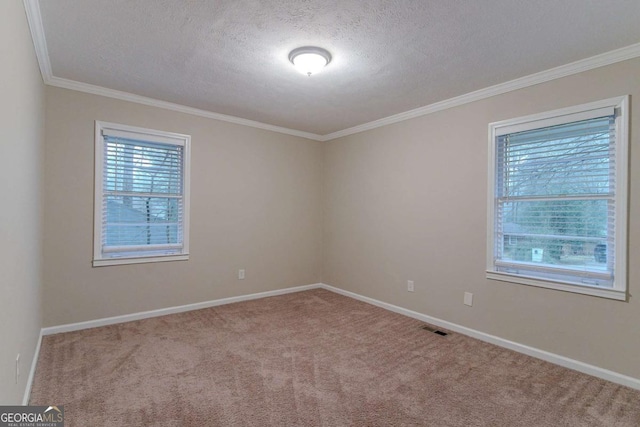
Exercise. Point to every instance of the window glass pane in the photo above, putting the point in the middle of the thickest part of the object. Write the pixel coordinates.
(142, 201)
(138, 221)
(573, 158)
(137, 166)
(141, 195)
(568, 233)
(554, 203)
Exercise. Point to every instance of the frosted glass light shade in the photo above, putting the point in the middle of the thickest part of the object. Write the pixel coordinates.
(309, 60)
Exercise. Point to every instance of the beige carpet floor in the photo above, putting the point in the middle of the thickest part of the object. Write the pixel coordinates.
(312, 358)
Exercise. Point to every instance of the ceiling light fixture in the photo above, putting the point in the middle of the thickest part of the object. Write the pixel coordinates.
(309, 59)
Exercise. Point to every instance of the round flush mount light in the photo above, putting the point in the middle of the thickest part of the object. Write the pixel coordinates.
(309, 59)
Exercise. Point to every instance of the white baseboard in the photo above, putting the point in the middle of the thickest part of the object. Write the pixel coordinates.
(170, 310)
(32, 371)
(566, 362)
(511, 345)
(145, 315)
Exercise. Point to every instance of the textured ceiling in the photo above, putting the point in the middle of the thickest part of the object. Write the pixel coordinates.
(389, 56)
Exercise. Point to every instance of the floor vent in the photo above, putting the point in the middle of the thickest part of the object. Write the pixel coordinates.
(434, 330)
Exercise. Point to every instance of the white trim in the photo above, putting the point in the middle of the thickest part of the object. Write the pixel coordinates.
(549, 118)
(622, 192)
(501, 342)
(98, 184)
(34, 18)
(595, 291)
(186, 196)
(171, 310)
(138, 99)
(130, 132)
(607, 58)
(102, 129)
(104, 262)
(520, 125)
(32, 371)
(565, 115)
(37, 33)
(557, 359)
(492, 201)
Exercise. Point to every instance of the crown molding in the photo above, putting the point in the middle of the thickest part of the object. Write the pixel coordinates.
(32, 9)
(34, 18)
(126, 96)
(607, 58)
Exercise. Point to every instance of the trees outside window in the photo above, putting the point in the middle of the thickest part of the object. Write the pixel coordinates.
(557, 206)
(141, 195)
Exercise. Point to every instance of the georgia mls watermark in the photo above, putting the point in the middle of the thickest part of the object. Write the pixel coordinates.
(31, 416)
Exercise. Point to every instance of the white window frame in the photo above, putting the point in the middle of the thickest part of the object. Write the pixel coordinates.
(567, 115)
(101, 258)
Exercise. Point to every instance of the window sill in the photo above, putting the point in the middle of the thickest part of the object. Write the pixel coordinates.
(138, 260)
(559, 286)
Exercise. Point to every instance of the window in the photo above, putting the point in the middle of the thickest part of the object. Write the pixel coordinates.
(558, 199)
(141, 195)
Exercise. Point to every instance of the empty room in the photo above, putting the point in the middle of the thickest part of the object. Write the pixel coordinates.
(320, 213)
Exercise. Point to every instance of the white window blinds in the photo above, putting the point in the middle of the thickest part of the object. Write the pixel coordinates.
(142, 204)
(555, 201)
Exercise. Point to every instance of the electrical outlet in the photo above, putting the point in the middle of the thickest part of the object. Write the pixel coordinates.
(241, 274)
(17, 367)
(468, 299)
(410, 287)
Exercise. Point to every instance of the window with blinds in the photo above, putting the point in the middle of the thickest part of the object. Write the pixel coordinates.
(142, 197)
(558, 199)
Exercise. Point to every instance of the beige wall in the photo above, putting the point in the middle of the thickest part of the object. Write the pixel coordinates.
(409, 202)
(365, 213)
(255, 204)
(22, 126)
